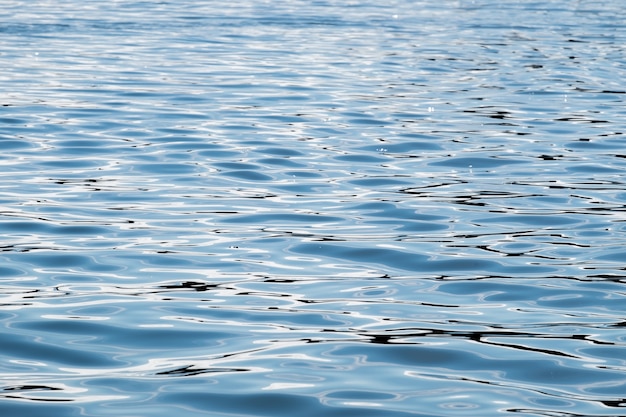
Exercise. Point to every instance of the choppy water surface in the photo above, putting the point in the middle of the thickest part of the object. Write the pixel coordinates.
(312, 208)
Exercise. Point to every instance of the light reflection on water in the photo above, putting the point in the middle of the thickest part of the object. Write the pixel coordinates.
(312, 208)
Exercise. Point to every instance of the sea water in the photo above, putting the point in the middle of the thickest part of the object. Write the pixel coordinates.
(312, 208)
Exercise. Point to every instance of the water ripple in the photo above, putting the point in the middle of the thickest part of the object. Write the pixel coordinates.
(312, 208)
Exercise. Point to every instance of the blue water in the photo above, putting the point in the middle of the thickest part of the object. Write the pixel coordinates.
(312, 208)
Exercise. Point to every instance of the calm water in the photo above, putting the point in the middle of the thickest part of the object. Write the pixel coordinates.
(312, 208)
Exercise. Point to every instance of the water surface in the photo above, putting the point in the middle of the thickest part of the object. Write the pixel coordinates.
(312, 208)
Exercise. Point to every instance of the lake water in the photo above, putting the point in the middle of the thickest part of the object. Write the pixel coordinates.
(312, 208)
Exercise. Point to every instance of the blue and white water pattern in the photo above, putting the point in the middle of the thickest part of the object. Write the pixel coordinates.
(312, 208)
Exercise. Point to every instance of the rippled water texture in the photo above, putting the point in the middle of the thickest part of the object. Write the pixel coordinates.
(312, 208)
